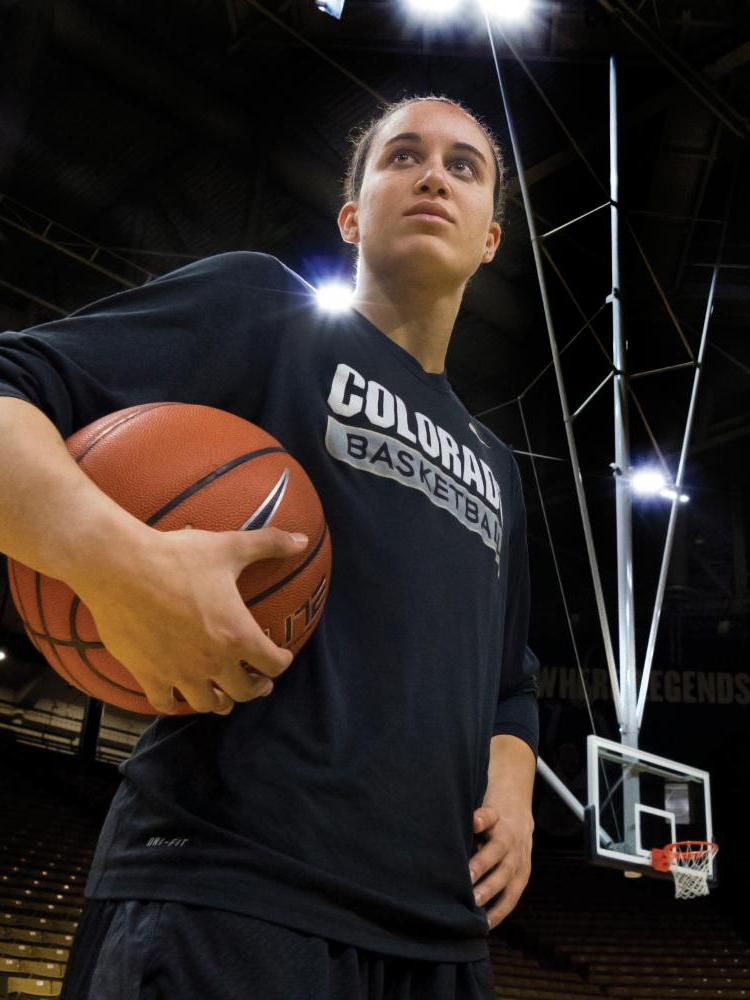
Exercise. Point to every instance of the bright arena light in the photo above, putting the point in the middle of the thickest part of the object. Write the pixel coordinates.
(647, 482)
(432, 8)
(2, 654)
(334, 296)
(670, 494)
(507, 10)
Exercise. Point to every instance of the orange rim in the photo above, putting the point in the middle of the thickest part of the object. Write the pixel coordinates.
(663, 857)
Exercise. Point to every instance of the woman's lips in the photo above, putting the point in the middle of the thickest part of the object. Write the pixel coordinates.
(428, 217)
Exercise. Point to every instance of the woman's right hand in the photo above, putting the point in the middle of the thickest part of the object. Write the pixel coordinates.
(176, 619)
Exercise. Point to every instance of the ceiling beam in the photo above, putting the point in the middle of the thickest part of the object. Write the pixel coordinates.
(695, 81)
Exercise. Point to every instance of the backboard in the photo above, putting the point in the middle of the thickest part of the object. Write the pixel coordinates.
(638, 800)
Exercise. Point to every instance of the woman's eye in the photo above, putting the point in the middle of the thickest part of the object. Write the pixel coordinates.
(400, 157)
(466, 163)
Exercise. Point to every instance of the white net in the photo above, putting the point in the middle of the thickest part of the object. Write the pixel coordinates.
(690, 867)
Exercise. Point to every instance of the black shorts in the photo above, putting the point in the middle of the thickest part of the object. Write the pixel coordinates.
(150, 950)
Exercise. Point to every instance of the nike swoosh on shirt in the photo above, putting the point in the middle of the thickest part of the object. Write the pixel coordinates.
(262, 515)
(473, 429)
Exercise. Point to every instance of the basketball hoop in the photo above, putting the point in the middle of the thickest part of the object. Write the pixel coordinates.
(689, 861)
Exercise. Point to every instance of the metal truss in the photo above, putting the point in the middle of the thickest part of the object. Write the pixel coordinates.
(108, 261)
(628, 697)
(698, 85)
(66, 241)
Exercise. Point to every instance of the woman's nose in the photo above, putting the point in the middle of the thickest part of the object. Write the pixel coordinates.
(433, 180)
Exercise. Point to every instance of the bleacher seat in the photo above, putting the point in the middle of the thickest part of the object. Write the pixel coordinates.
(20, 989)
(578, 933)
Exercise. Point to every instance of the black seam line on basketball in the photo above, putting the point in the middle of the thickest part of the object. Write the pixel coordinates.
(291, 576)
(144, 408)
(221, 471)
(35, 644)
(138, 692)
(24, 615)
(83, 651)
(45, 632)
(68, 643)
(12, 567)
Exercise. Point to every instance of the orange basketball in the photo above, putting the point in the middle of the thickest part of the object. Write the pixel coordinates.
(174, 465)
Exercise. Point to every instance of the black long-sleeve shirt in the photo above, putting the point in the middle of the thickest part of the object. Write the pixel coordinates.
(342, 804)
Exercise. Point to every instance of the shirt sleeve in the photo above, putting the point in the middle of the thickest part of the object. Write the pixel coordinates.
(206, 333)
(517, 711)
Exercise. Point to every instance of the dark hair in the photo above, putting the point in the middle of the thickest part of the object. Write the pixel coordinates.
(362, 141)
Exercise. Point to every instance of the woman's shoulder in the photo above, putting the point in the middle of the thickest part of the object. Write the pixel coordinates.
(247, 267)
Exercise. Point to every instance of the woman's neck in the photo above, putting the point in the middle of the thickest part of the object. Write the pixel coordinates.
(414, 317)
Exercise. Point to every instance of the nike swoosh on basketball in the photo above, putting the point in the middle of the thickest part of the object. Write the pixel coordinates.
(262, 515)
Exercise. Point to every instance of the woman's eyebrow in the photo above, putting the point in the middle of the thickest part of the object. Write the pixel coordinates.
(416, 137)
(471, 149)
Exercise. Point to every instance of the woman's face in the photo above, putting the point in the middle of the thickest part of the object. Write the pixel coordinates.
(430, 155)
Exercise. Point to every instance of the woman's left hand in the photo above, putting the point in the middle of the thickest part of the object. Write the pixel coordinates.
(503, 863)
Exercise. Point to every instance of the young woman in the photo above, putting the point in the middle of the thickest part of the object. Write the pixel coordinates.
(357, 832)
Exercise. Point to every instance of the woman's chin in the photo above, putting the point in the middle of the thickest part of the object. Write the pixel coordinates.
(422, 261)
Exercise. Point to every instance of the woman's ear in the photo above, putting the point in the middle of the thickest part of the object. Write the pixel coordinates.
(347, 220)
(494, 235)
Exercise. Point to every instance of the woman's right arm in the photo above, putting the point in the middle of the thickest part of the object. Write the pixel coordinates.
(165, 604)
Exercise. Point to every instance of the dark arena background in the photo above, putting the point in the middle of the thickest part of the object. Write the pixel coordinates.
(136, 137)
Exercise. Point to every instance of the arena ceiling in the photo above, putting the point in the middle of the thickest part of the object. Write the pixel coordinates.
(138, 136)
